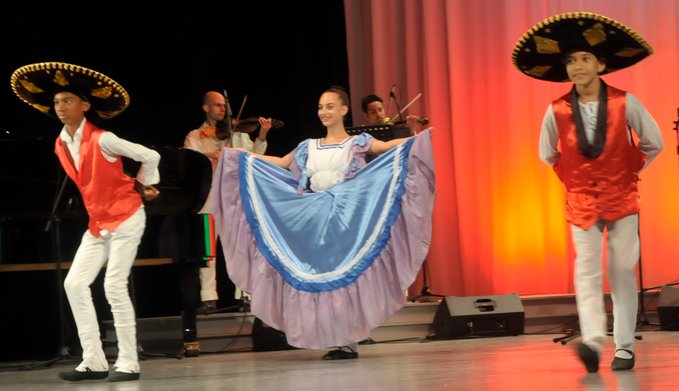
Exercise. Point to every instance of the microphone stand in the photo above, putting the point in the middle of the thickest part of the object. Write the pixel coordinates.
(63, 349)
(642, 318)
(676, 129)
(424, 293)
(425, 288)
(398, 109)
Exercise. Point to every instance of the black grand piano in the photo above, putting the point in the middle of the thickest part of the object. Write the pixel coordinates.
(31, 255)
(175, 230)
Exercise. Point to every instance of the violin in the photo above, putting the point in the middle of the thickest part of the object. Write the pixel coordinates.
(251, 124)
(229, 124)
(424, 121)
(247, 125)
(421, 120)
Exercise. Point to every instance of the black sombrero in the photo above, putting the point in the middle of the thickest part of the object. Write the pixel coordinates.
(540, 52)
(36, 84)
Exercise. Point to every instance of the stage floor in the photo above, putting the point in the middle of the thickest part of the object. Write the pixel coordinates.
(525, 362)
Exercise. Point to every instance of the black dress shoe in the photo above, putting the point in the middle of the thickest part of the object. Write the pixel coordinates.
(623, 364)
(87, 374)
(123, 376)
(340, 354)
(589, 357)
(206, 307)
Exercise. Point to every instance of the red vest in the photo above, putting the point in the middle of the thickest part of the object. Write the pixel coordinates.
(108, 194)
(605, 187)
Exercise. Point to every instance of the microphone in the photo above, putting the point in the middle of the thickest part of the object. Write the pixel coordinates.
(393, 96)
(391, 92)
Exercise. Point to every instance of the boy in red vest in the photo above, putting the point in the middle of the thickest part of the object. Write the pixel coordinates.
(587, 138)
(92, 159)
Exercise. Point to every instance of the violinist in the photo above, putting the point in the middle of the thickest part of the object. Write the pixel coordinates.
(373, 108)
(209, 140)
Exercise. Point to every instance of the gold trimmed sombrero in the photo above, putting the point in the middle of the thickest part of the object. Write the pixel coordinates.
(36, 84)
(540, 52)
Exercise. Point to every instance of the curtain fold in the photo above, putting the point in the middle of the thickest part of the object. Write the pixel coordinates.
(499, 224)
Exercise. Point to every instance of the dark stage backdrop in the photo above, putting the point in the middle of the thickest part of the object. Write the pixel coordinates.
(281, 54)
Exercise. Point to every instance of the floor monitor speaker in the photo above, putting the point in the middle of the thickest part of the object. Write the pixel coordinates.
(479, 316)
(668, 308)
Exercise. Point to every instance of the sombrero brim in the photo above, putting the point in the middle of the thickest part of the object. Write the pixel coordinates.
(540, 52)
(36, 84)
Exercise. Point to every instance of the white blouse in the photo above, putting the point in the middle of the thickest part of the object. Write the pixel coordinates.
(327, 163)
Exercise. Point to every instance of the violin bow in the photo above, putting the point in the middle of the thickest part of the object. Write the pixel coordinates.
(242, 105)
(229, 127)
(418, 96)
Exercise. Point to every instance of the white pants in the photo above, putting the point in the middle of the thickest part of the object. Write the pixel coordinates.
(623, 255)
(208, 282)
(120, 249)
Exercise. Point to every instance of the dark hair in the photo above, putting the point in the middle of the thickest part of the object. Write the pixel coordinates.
(596, 53)
(339, 90)
(368, 99)
(75, 90)
(91, 114)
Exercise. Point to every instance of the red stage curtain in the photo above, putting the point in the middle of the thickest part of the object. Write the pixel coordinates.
(499, 222)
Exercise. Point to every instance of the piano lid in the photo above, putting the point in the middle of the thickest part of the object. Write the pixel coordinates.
(185, 181)
(31, 176)
(173, 228)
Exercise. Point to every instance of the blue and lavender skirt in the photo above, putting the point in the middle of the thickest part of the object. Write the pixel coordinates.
(326, 268)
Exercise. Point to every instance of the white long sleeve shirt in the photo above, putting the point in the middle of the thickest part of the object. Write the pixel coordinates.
(113, 147)
(199, 141)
